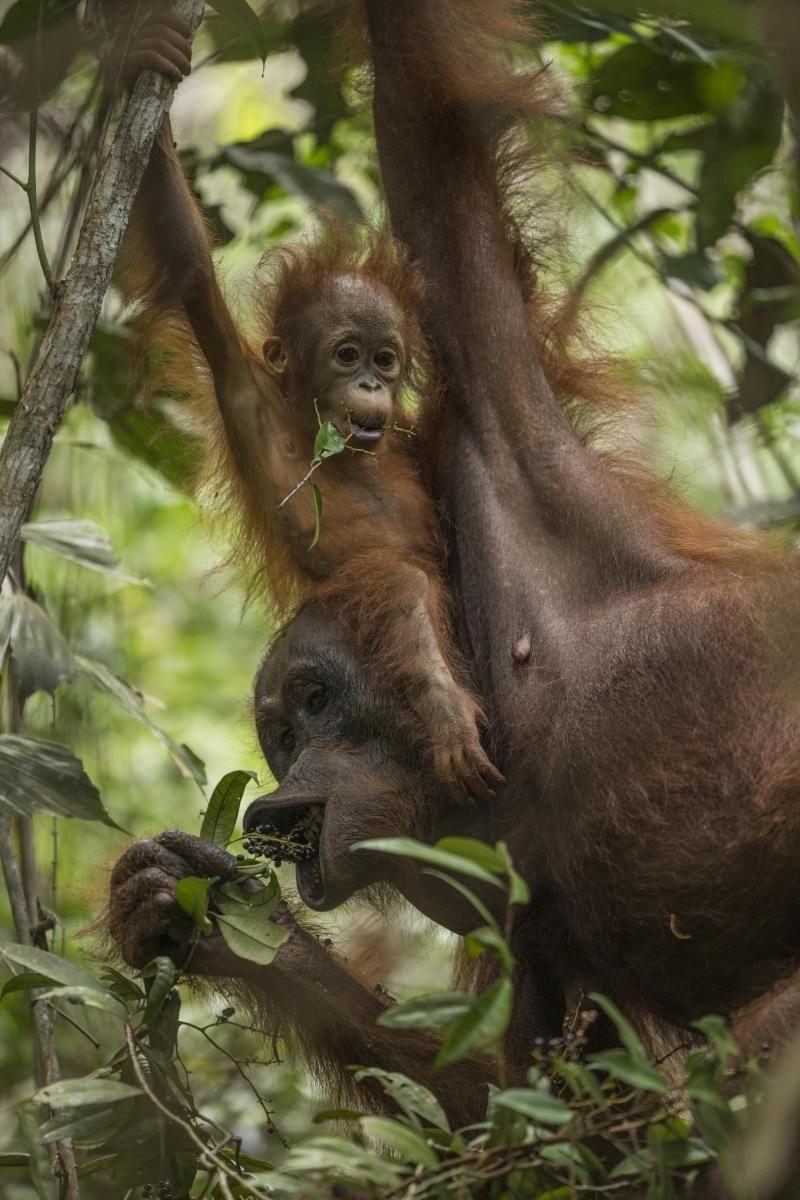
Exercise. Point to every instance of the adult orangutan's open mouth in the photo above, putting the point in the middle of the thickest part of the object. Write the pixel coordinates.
(290, 833)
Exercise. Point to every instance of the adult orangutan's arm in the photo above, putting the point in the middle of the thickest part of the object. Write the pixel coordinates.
(307, 993)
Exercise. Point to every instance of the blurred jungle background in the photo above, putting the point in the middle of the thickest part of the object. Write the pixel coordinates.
(120, 639)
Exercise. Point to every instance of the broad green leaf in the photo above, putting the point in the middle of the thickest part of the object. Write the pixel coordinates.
(627, 1034)
(317, 497)
(24, 983)
(81, 542)
(409, 848)
(328, 441)
(630, 1069)
(164, 975)
(42, 656)
(252, 937)
(485, 1023)
(537, 1104)
(39, 776)
(233, 899)
(90, 996)
(411, 1097)
(191, 894)
(223, 807)
(242, 17)
(406, 1142)
(436, 1010)
(75, 1093)
(54, 968)
(132, 702)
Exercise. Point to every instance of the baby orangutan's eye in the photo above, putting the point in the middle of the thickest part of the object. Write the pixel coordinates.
(347, 355)
(386, 360)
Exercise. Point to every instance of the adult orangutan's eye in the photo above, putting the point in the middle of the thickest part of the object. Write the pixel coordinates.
(347, 355)
(316, 699)
(286, 738)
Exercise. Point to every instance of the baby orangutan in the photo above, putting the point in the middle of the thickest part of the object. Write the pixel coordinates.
(342, 346)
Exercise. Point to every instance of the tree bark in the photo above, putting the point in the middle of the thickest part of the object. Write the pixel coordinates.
(52, 379)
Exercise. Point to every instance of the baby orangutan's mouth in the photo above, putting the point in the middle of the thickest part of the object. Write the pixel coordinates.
(365, 435)
(292, 835)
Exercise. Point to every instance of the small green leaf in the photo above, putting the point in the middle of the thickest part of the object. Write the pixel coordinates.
(191, 894)
(43, 658)
(537, 1104)
(485, 1022)
(52, 966)
(233, 899)
(406, 1142)
(164, 976)
(627, 1034)
(223, 807)
(76, 1093)
(436, 1010)
(493, 941)
(467, 893)
(519, 892)
(328, 441)
(717, 1030)
(409, 1096)
(241, 15)
(630, 1069)
(317, 497)
(252, 937)
(409, 848)
(477, 852)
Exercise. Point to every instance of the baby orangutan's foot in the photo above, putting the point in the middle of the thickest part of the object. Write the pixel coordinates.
(453, 724)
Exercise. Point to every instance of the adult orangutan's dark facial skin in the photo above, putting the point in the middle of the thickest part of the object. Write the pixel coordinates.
(336, 744)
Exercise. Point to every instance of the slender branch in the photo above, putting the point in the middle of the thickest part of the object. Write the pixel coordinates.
(33, 203)
(207, 1154)
(14, 178)
(43, 402)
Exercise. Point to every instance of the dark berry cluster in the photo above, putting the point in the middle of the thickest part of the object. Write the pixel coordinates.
(267, 841)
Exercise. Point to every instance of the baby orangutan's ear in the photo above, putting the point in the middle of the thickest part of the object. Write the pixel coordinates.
(275, 356)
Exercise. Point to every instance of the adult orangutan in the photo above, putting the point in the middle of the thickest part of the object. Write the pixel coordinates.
(639, 661)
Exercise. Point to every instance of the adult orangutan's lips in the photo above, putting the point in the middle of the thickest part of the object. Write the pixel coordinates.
(291, 833)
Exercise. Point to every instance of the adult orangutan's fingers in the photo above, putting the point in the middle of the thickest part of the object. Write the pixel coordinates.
(140, 936)
(165, 17)
(127, 898)
(151, 60)
(160, 40)
(144, 854)
(201, 857)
